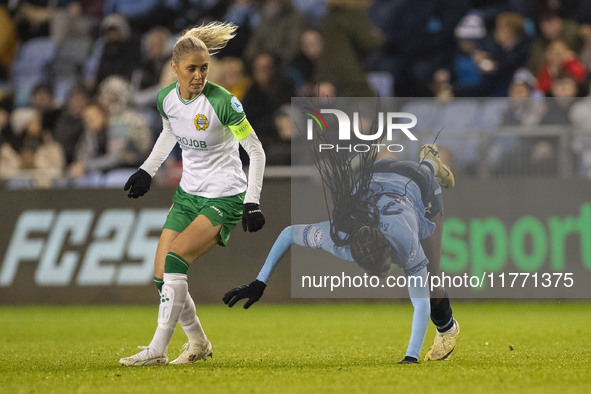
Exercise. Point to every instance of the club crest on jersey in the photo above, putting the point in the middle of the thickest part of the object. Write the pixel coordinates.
(201, 122)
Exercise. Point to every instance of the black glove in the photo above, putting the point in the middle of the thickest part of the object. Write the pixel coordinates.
(139, 183)
(408, 360)
(253, 291)
(252, 217)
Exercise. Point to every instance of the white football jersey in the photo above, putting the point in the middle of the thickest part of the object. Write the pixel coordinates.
(207, 128)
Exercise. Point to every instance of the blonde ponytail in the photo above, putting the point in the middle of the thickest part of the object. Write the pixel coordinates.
(211, 37)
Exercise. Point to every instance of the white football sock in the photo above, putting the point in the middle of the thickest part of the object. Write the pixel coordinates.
(433, 164)
(174, 296)
(190, 322)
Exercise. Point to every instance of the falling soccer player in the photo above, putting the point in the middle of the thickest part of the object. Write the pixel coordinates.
(392, 214)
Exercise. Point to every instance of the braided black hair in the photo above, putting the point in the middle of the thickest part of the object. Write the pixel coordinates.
(349, 189)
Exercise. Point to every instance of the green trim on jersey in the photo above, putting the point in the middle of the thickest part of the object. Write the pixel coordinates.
(161, 96)
(226, 106)
(182, 100)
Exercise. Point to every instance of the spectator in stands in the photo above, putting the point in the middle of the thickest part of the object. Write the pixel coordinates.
(564, 91)
(8, 42)
(279, 31)
(326, 91)
(279, 151)
(32, 18)
(128, 136)
(558, 59)
(288, 148)
(75, 19)
(537, 155)
(580, 114)
(552, 27)
(6, 135)
(244, 14)
(470, 64)
(508, 51)
(232, 76)
(270, 89)
(313, 11)
(43, 100)
(93, 144)
(33, 150)
(420, 40)
(145, 80)
(584, 18)
(302, 68)
(509, 154)
(119, 52)
(69, 126)
(144, 14)
(523, 108)
(347, 28)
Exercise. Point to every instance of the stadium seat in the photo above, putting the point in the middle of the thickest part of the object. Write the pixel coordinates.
(89, 181)
(29, 68)
(458, 116)
(19, 184)
(425, 110)
(381, 82)
(490, 114)
(582, 148)
(118, 177)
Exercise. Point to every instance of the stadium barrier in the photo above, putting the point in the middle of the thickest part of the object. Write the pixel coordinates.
(96, 246)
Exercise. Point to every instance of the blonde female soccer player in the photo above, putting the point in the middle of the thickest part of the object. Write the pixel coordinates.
(213, 196)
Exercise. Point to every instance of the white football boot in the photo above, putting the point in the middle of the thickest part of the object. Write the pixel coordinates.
(144, 358)
(444, 176)
(444, 344)
(193, 352)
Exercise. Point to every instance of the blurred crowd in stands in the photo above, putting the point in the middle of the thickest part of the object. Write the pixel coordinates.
(79, 78)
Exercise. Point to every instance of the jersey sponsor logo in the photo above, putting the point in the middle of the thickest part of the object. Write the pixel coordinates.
(83, 247)
(201, 122)
(236, 105)
(192, 143)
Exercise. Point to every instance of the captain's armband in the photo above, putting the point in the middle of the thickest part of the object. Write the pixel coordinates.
(241, 130)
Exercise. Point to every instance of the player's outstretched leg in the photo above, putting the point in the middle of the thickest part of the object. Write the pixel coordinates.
(198, 347)
(442, 173)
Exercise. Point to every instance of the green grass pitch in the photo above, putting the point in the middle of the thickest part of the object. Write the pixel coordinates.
(340, 348)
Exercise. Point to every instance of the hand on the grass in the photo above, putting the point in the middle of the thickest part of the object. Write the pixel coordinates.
(408, 360)
(253, 291)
